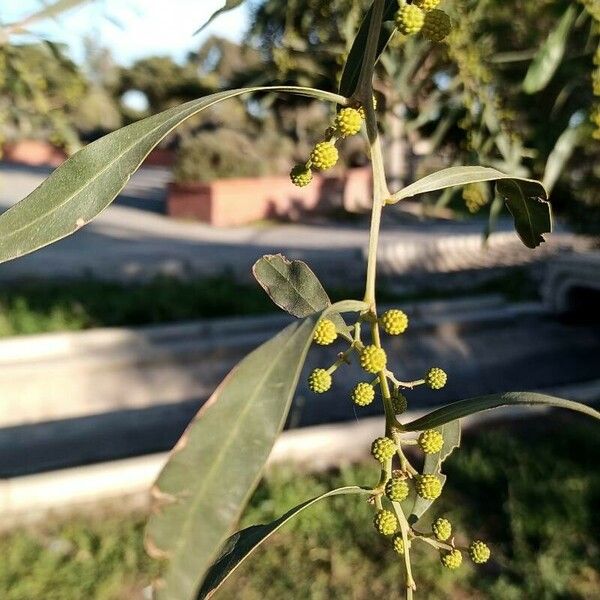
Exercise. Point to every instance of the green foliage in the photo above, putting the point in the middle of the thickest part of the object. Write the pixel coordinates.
(220, 154)
(538, 478)
(240, 545)
(526, 199)
(188, 525)
(90, 180)
(433, 465)
(252, 403)
(549, 56)
(41, 91)
(41, 306)
(464, 408)
(216, 465)
(291, 285)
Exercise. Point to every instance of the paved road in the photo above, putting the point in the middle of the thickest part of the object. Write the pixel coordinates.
(533, 351)
(132, 239)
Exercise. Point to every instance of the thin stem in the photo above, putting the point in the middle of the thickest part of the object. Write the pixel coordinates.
(405, 529)
(380, 194)
(435, 543)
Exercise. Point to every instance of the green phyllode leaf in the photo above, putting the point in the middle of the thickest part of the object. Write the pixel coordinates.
(48, 11)
(294, 287)
(549, 56)
(530, 211)
(81, 188)
(526, 199)
(568, 140)
(229, 5)
(351, 72)
(291, 284)
(464, 408)
(243, 543)
(216, 465)
(433, 464)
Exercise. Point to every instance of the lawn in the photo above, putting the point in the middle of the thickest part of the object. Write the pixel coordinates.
(40, 306)
(531, 489)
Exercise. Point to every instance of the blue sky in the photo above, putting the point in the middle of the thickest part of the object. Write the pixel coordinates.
(133, 28)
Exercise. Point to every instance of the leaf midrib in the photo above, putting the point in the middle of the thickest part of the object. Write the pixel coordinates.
(297, 290)
(226, 447)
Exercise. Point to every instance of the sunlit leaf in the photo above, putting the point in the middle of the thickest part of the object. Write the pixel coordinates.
(464, 408)
(550, 54)
(293, 286)
(526, 198)
(216, 465)
(560, 155)
(90, 180)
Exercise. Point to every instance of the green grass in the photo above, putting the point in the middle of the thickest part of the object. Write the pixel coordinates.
(44, 306)
(531, 489)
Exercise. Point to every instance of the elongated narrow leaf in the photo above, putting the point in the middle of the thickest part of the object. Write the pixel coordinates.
(531, 213)
(241, 544)
(464, 408)
(550, 54)
(560, 155)
(455, 176)
(291, 284)
(433, 466)
(351, 71)
(90, 180)
(526, 198)
(216, 465)
(229, 5)
(51, 10)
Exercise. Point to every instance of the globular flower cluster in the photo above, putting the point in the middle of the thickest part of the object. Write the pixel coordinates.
(320, 381)
(324, 156)
(398, 486)
(385, 522)
(394, 321)
(301, 175)
(383, 449)
(410, 19)
(437, 25)
(431, 441)
(479, 552)
(396, 489)
(373, 359)
(398, 544)
(442, 529)
(363, 394)
(429, 486)
(436, 378)
(423, 16)
(452, 559)
(348, 121)
(325, 332)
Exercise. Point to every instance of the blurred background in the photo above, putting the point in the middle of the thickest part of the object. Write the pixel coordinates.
(111, 339)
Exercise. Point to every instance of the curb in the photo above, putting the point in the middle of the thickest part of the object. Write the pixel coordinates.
(57, 376)
(32, 498)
